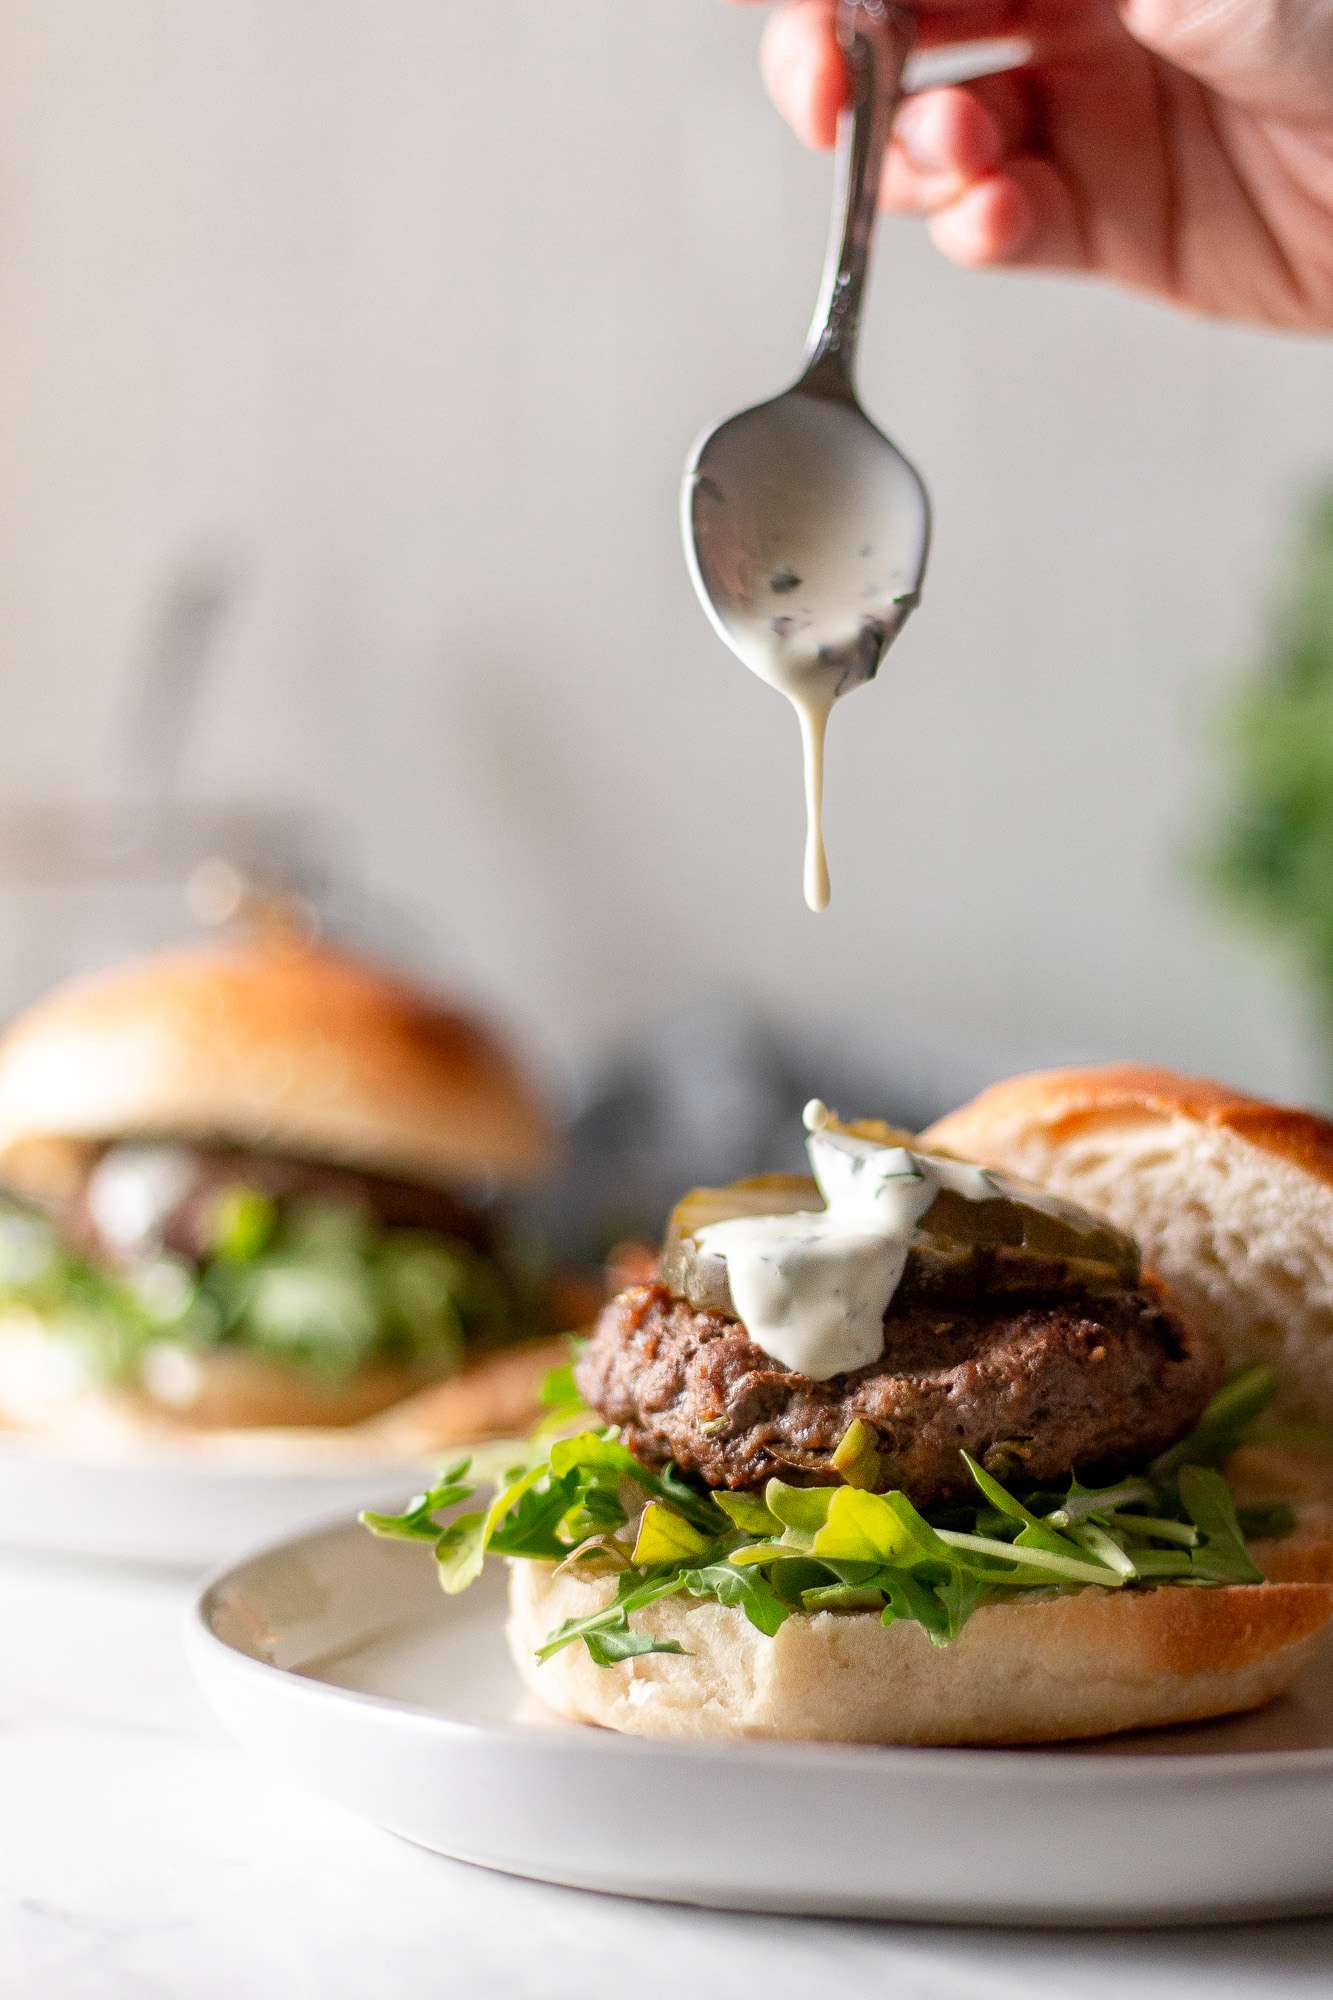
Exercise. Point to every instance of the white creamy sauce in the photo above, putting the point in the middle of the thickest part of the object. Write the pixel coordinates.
(802, 557)
(133, 1188)
(812, 1288)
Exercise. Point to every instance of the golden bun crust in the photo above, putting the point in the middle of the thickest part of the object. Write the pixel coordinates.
(1043, 1670)
(183, 1394)
(268, 1039)
(1231, 1199)
(1063, 1101)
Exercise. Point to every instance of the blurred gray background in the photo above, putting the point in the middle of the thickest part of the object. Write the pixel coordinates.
(406, 316)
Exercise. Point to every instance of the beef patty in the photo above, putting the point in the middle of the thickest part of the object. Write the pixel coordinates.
(1034, 1385)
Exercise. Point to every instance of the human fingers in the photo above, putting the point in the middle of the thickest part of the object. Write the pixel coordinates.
(946, 138)
(1022, 217)
(806, 72)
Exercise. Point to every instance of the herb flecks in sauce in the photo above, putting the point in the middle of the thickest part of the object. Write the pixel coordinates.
(812, 1288)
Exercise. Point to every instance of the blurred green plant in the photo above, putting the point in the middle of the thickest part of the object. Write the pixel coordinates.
(1272, 857)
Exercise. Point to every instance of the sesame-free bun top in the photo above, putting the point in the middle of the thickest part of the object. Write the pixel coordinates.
(1231, 1199)
(269, 1039)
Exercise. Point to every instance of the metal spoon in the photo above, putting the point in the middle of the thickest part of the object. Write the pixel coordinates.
(806, 530)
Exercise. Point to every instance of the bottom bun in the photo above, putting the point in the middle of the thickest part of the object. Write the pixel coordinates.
(184, 1393)
(1039, 1671)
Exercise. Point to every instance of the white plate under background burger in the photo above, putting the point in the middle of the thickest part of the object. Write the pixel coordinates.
(183, 1510)
(336, 1659)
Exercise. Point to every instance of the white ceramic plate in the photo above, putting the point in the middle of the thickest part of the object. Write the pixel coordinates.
(185, 1510)
(337, 1658)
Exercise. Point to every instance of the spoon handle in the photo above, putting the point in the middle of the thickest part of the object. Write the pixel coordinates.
(876, 36)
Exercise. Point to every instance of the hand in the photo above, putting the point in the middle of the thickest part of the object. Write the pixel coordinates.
(1181, 147)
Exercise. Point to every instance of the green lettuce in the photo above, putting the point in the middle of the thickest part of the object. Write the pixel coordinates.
(314, 1284)
(584, 1502)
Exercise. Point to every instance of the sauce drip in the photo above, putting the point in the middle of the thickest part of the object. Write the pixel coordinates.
(813, 718)
(812, 1288)
(807, 551)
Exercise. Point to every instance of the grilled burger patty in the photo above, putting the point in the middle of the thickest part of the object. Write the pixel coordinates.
(1035, 1384)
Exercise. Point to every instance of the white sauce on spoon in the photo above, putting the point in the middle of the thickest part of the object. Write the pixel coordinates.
(812, 1288)
(805, 569)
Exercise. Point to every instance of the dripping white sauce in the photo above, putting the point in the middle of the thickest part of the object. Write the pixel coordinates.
(813, 717)
(806, 546)
(812, 1288)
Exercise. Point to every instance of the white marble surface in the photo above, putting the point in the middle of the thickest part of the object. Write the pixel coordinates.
(142, 1857)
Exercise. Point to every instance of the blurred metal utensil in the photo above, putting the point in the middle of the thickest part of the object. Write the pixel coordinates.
(168, 685)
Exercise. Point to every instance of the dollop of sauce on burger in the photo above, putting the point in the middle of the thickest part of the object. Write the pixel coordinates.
(813, 1287)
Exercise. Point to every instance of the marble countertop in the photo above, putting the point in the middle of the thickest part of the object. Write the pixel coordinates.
(144, 1857)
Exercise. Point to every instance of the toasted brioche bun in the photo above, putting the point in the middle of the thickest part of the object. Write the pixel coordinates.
(184, 1393)
(268, 1040)
(1036, 1671)
(1231, 1199)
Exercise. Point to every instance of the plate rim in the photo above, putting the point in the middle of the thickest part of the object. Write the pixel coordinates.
(1043, 1763)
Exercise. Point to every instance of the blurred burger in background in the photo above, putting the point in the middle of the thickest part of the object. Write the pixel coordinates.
(259, 1182)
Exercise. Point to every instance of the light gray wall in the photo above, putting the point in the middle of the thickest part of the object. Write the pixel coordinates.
(412, 311)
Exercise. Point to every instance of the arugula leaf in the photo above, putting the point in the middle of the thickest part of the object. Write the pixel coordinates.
(609, 1648)
(597, 1510)
(843, 1597)
(1152, 1527)
(417, 1521)
(745, 1590)
(1106, 1548)
(801, 1509)
(877, 1527)
(600, 1451)
(791, 1576)
(908, 1598)
(559, 1388)
(961, 1594)
(747, 1512)
(1081, 1501)
(529, 1526)
(1039, 1563)
(665, 1536)
(1207, 1500)
(858, 1527)
(1003, 1502)
(633, 1594)
(1150, 1563)
(460, 1552)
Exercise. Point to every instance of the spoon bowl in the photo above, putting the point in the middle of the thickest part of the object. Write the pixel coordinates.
(808, 532)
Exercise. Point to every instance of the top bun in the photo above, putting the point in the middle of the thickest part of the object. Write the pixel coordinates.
(269, 1040)
(1231, 1199)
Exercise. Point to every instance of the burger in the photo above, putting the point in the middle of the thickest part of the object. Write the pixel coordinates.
(260, 1182)
(914, 1451)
